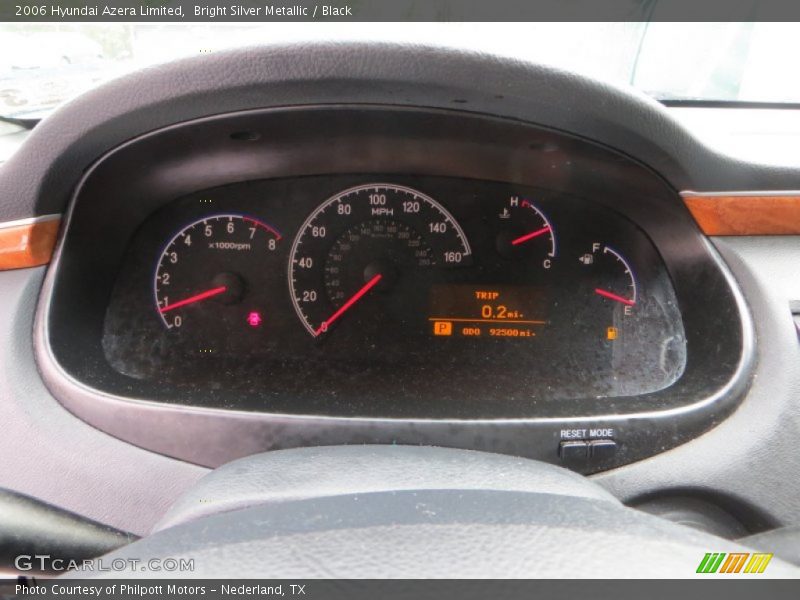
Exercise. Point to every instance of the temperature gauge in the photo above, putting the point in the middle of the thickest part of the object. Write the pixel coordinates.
(525, 232)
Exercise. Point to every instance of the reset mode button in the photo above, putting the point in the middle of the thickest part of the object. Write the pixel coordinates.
(588, 433)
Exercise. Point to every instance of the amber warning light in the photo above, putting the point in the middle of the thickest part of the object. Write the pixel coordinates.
(461, 310)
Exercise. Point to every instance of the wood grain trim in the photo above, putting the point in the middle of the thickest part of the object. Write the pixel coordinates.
(28, 243)
(745, 214)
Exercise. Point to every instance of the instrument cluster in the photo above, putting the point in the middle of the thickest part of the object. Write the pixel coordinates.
(395, 296)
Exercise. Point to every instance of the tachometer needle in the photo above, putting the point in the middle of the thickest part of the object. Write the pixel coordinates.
(529, 236)
(353, 299)
(614, 297)
(196, 298)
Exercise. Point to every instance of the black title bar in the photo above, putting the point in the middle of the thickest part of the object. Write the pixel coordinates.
(243, 11)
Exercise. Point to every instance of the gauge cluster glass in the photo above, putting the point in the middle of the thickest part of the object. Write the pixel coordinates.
(215, 273)
(394, 296)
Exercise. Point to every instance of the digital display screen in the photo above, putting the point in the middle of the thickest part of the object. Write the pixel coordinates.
(468, 310)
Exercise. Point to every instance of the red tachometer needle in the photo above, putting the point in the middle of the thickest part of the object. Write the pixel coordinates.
(529, 236)
(611, 296)
(355, 298)
(196, 298)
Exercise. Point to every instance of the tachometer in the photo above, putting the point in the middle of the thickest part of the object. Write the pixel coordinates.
(213, 273)
(370, 251)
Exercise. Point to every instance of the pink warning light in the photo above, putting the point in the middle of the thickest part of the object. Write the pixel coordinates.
(254, 319)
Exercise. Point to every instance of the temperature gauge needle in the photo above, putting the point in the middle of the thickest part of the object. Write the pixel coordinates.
(610, 296)
(196, 298)
(529, 236)
(353, 299)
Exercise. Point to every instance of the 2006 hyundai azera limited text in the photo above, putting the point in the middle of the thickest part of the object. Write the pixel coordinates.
(377, 309)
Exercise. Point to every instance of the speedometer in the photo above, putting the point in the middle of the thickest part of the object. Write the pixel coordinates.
(368, 255)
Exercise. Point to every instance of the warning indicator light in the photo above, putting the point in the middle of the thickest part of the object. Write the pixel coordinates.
(442, 328)
(612, 333)
(254, 319)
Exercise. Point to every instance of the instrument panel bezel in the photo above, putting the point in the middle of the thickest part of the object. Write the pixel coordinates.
(129, 183)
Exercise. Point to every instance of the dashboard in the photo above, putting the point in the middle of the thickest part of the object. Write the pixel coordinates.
(692, 404)
(423, 277)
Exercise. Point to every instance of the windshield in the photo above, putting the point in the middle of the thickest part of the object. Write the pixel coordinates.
(42, 65)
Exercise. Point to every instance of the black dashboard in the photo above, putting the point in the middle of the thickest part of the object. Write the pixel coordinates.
(422, 276)
(113, 412)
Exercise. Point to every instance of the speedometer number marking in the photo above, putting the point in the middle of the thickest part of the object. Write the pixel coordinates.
(365, 243)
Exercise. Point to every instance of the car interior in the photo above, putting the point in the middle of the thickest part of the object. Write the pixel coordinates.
(379, 310)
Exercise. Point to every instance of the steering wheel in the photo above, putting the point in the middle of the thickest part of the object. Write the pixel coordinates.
(420, 512)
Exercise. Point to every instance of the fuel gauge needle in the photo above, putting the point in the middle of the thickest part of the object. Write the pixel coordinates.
(346, 306)
(196, 298)
(610, 296)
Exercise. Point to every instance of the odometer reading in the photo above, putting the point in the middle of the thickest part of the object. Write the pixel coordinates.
(466, 310)
(370, 251)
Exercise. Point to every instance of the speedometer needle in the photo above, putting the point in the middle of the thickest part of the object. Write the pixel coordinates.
(610, 296)
(353, 299)
(529, 236)
(196, 298)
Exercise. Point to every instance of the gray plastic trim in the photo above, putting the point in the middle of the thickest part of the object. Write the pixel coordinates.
(54, 456)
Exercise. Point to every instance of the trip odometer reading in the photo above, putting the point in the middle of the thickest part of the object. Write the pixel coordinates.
(368, 255)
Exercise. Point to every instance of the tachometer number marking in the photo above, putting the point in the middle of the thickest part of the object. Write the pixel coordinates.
(211, 261)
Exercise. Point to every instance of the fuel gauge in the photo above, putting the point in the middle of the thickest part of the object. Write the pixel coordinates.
(613, 276)
(612, 284)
